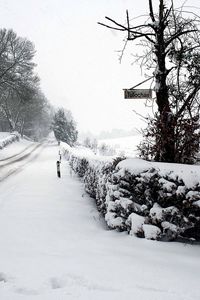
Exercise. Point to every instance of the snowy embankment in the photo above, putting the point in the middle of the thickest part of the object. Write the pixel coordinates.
(7, 138)
(152, 200)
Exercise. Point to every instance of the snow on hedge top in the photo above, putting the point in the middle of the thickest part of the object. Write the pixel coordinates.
(190, 174)
(77, 151)
(134, 166)
(84, 152)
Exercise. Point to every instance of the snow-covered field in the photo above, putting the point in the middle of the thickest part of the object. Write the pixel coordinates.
(125, 145)
(54, 245)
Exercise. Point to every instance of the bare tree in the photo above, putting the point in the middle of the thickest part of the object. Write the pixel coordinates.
(20, 96)
(171, 40)
(16, 73)
(16, 56)
(14, 98)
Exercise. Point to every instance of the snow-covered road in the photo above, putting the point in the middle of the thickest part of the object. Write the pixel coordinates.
(53, 245)
(14, 163)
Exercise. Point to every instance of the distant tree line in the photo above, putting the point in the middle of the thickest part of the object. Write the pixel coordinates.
(23, 106)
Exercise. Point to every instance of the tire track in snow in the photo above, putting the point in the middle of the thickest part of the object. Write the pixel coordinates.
(17, 154)
(7, 168)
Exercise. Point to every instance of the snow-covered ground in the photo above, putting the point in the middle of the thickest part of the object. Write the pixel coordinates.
(3, 135)
(55, 246)
(125, 145)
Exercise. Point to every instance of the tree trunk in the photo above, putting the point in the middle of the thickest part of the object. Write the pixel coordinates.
(167, 143)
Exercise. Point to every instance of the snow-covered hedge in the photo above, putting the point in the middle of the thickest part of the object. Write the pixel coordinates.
(143, 198)
(154, 205)
(12, 137)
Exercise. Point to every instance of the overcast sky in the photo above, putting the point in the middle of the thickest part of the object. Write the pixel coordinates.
(77, 60)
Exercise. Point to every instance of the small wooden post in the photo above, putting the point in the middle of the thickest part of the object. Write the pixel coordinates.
(58, 168)
(60, 156)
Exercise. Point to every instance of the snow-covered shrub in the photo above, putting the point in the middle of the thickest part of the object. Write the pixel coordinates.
(160, 200)
(106, 150)
(136, 223)
(186, 134)
(151, 232)
(90, 180)
(101, 189)
(79, 165)
(12, 137)
(96, 180)
(91, 143)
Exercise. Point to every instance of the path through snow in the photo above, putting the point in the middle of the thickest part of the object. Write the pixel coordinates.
(54, 246)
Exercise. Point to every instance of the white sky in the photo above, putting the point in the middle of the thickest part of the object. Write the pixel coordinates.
(77, 59)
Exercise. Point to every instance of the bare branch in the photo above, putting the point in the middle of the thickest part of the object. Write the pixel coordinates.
(122, 51)
(128, 24)
(151, 11)
(110, 27)
(187, 101)
(168, 11)
(177, 35)
(143, 118)
(118, 24)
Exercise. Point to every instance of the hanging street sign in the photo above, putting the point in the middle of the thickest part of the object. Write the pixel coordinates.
(137, 93)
